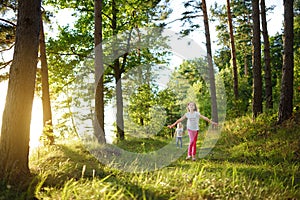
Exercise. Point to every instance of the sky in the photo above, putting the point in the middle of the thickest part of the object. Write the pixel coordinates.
(64, 17)
(274, 19)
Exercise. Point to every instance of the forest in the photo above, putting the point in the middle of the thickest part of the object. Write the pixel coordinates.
(91, 91)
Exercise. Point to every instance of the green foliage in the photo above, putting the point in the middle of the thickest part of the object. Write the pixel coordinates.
(145, 116)
(190, 83)
(297, 54)
(241, 17)
(145, 110)
(261, 140)
(4, 76)
(8, 21)
(8, 10)
(72, 46)
(222, 58)
(252, 160)
(236, 108)
(190, 17)
(242, 34)
(7, 35)
(140, 103)
(276, 53)
(47, 134)
(166, 100)
(242, 24)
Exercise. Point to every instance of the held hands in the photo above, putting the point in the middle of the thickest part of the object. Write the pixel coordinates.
(214, 124)
(171, 126)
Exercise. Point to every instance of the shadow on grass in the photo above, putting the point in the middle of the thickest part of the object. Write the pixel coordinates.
(76, 163)
(83, 157)
(23, 191)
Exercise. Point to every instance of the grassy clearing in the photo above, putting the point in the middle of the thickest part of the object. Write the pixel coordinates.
(252, 160)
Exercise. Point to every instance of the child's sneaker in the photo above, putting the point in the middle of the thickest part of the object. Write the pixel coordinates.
(188, 158)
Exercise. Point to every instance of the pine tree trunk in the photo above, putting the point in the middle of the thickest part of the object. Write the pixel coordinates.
(233, 53)
(267, 58)
(47, 114)
(245, 64)
(286, 92)
(214, 107)
(15, 132)
(256, 61)
(99, 130)
(119, 97)
(118, 75)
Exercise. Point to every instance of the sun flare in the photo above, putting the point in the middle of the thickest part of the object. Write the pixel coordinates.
(36, 126)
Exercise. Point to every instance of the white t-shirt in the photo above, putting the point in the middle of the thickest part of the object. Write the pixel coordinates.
(179, 132)
(192, 120)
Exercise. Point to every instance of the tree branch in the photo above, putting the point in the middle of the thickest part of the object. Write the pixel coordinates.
(126, 53)
(8, 22)
(70, 54)
(9, 48)
(5, 64)
(183, 18)
(110, 66)
(107, 16)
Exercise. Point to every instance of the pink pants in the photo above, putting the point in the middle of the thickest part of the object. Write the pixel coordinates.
(193, 140)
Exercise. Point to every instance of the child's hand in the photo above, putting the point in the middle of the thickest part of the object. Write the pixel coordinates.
(171, 126)
(214, 124)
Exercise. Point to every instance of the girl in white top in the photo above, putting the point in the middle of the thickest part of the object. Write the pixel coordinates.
(192, 117)
(179, 134)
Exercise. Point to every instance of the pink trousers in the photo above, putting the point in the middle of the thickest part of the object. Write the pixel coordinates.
(193, 140)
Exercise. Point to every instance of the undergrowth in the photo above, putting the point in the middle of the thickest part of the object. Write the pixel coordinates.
(251, 160)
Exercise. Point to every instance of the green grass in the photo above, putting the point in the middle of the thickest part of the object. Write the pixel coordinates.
(252, 160)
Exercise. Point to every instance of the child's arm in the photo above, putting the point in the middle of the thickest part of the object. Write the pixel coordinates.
(179, 120)
(208, 120)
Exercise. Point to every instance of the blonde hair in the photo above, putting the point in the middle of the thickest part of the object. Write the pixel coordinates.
(179, 125)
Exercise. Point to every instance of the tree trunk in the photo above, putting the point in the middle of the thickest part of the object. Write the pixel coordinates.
(267, 58)
(210, 65)
(47, 114)
(99, 130)
(118, 75)
(15, 132)
(119, 96)
(286, 92)
(233, 53)
(245, 64)
(256, 61)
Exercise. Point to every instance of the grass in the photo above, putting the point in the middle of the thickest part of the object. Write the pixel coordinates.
(252, 160)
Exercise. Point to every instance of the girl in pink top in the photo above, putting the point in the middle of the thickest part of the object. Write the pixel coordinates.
(192, 117)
